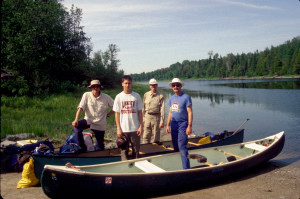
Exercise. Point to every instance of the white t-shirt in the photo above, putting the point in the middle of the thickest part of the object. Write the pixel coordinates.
(96, 109)
(128, 106)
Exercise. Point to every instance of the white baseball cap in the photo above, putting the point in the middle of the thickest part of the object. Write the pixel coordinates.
(176, 80)
(152, 81)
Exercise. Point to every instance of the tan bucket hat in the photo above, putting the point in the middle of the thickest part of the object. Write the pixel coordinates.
(94, 82)
(176, 80)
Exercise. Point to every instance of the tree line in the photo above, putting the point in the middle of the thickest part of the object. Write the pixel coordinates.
(45, 50)
(275, 61)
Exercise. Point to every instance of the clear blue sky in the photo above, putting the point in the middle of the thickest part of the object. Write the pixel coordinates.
(154, 34)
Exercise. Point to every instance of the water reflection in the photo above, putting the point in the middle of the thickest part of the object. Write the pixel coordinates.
(265, 85)
(214, 98)
(261, 93)
(271, 105)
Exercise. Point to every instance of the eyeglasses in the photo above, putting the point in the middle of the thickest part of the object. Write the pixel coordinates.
(153, 84)
(177, 85)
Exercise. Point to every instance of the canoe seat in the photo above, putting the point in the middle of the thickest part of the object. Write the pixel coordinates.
(255, 146)
(148, 167)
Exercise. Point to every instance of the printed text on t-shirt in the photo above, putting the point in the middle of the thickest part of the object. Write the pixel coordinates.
(175, 107)
(128, 107)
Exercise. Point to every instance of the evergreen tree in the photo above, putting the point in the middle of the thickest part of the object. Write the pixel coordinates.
(281, 60)
(296, 63)
(261, 68)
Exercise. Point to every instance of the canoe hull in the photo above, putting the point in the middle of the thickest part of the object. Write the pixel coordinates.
(112, 155)
(59, 183)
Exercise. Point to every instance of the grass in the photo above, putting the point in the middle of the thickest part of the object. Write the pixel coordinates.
(49, 116)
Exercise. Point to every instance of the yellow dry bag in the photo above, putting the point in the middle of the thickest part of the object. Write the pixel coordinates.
(205, 140)
(28, 176)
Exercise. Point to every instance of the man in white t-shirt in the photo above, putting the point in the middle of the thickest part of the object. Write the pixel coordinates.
(95, 104)
(128, 107)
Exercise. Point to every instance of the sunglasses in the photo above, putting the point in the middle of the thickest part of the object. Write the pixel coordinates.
(177, 85)
(95, 86)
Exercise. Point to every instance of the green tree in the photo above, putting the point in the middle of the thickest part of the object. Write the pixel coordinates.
(280, 60)
(112, 65)
(296, 63)
(97, 70)
(104, 66)
(276, 65)
(43, 44)
(230, 61)
(261, 68)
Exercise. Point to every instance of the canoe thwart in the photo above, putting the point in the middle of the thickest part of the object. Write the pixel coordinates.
(148, 167)
(255, 146)
(227, 153)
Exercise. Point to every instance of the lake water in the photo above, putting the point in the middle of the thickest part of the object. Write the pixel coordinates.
(272, 106)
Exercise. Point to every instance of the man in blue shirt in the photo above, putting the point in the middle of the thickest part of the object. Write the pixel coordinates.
(180, 120)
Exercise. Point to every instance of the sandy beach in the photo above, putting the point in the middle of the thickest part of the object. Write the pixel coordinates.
(274, 179)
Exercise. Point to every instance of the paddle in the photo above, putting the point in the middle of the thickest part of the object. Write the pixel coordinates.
(163, 146)
(240, 126)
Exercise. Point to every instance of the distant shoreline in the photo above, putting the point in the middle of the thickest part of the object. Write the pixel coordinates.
(273, 77)
(237, 78)
(241, 78)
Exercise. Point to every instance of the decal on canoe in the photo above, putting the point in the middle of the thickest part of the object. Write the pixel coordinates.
(108, 180)
(53, 176)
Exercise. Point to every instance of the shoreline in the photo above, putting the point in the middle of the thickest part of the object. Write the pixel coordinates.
(247, 78)
(274, 77)
(235, 78)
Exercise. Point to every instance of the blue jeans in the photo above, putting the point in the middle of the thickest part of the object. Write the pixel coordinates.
(82, 125)
(180, 140)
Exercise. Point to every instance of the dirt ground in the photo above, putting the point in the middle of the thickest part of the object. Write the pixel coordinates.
(274, 179)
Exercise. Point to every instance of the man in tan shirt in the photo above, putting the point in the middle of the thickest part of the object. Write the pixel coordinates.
(154, 113)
